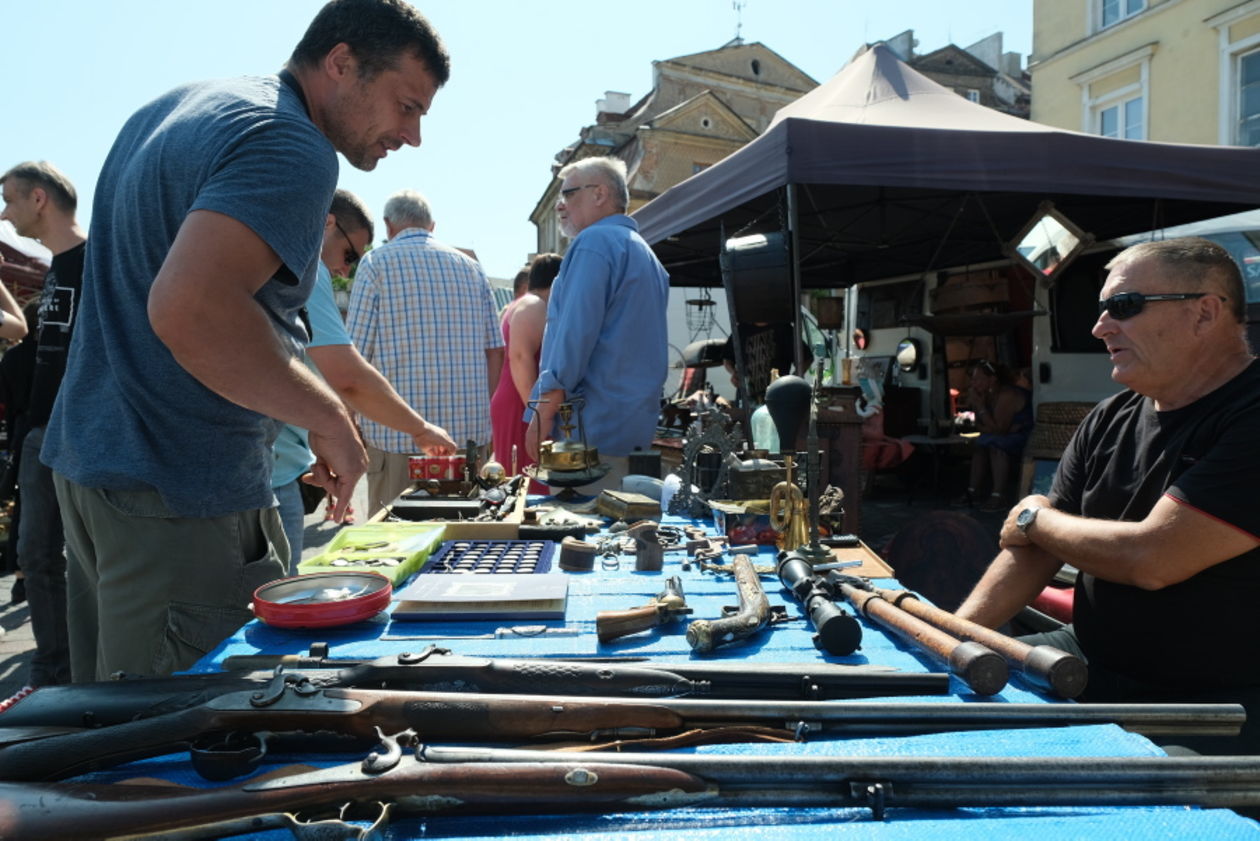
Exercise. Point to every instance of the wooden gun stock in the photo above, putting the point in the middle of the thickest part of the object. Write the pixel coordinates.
(84, 812)
(1045, 667)
(981, 669)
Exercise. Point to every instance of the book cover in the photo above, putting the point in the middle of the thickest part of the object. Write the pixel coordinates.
(465, 597)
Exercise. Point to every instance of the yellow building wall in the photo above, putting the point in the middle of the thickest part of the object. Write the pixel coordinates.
(1182, 102)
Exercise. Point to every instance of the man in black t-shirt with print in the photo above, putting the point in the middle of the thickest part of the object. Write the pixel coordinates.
(1154, 501)
(40, 201)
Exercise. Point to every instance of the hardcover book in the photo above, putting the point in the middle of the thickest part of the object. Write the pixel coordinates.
(471, 597)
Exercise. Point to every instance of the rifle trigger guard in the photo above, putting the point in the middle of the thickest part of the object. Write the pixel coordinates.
(225, 757)
(338, 829)
(873, 795)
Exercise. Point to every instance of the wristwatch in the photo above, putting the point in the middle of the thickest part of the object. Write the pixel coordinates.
(1025, 518)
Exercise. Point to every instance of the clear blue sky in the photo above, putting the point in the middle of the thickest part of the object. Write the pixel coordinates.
(525, 78)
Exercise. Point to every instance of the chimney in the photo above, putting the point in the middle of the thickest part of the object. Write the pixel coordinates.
(614, 103)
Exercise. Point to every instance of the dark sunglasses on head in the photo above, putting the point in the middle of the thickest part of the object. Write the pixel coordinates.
(1128, 304)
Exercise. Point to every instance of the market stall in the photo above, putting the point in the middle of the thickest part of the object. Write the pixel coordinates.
(845, 771)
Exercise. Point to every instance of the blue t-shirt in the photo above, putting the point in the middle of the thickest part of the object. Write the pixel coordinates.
(606, 341)
(292, 451)
(128, 416)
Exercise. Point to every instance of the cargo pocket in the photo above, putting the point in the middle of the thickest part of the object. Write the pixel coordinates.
(192, 631)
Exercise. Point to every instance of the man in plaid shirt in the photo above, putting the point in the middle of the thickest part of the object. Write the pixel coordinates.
(423, 314)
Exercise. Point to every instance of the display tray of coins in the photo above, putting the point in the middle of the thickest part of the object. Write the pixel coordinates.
(491, 557)
(395, 550)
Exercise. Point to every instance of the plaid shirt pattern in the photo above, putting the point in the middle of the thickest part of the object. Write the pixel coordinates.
(423, 314)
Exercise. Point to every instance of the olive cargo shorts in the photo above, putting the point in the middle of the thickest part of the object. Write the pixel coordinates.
(150, 593)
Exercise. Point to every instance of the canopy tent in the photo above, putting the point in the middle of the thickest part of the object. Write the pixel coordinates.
(881, 172)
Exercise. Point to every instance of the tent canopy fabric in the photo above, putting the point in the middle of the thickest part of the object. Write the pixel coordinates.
(897, 175)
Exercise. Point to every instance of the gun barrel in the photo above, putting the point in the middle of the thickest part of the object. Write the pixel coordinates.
(1045, 667)
(942, 782)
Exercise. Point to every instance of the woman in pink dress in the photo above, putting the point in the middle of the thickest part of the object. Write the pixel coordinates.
(522, 324)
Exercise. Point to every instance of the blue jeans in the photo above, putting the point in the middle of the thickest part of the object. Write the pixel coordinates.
(292, 517)
(41, 555)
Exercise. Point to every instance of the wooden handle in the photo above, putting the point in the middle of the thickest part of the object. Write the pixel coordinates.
(611, 624)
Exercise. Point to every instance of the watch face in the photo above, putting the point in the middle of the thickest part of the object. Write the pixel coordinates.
(1025, 518)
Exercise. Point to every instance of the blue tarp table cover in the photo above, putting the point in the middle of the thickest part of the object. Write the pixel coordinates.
(707, 593)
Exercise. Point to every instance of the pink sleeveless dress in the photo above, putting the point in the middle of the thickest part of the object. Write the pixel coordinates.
(507, 410)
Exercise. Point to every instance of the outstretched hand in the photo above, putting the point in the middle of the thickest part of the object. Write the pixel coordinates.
(340, 461)
(433, 440)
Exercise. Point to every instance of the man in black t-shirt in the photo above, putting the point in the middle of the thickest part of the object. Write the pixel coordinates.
(1154, 499)
(40, 201)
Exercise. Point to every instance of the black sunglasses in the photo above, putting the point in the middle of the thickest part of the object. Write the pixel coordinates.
(352, 254)
(1128, 304)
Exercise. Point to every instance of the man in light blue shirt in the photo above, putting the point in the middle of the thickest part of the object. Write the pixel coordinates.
(605, 345)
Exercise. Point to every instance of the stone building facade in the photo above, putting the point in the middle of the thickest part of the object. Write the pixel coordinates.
(701, 108)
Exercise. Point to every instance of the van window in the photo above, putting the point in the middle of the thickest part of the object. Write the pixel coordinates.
(885, 304)
(1244, 247)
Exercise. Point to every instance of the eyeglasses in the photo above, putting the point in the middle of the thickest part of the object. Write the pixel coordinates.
(565, 194)
(352, 254)
(1128, 304)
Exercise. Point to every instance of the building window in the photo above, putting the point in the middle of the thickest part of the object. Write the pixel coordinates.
(1114, 11)
(972, 95)
(1238, 33)
(1123, 120)
(1114, 95)
(1249, 99)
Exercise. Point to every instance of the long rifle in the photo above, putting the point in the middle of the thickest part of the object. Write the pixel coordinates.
(476, 717)
(436, 669)
(454, 780)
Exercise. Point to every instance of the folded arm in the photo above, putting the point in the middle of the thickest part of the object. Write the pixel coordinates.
(1172, 543)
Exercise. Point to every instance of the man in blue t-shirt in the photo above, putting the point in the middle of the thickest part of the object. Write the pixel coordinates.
(205, 234)
(347, 232)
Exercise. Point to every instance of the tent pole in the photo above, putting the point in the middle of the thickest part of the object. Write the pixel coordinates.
(793, 227)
